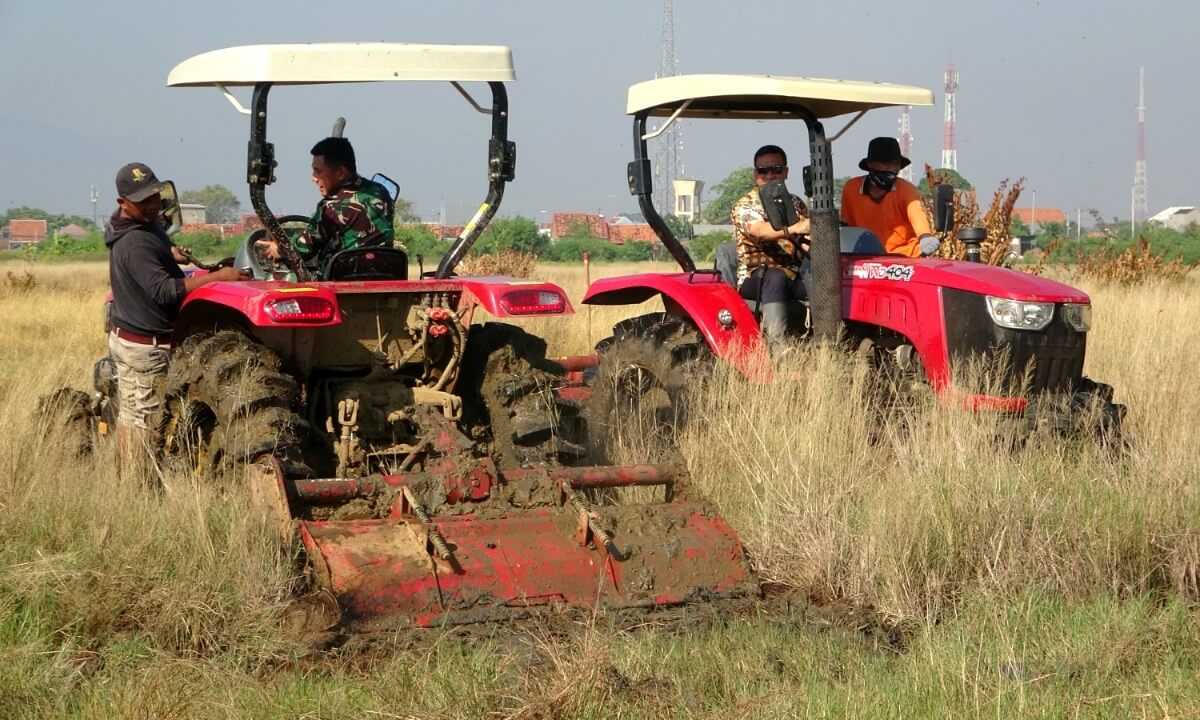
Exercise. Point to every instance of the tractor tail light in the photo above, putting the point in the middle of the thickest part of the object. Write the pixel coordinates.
(533, 302)
(300, 309)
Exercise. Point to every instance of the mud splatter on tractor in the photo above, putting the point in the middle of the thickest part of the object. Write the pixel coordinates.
(425, 461)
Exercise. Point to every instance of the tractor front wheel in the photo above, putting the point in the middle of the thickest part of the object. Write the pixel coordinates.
(643, 391)
(508, 388)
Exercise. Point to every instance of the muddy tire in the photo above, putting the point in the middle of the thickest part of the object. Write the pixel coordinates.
(69, 420)
(507, 386)
(1099, 419)
(898, 395)
(644, 388)
(227, 404)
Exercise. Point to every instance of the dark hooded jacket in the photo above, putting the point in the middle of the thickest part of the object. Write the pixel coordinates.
(147, 284)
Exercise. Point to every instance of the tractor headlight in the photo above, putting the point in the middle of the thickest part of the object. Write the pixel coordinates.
(1020, 314)
(725, 317)
(1078, 316)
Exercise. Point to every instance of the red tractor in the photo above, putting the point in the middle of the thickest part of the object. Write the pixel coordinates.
(919, 320)
(425, 461)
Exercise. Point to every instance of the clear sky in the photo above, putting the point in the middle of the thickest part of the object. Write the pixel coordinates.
(1048, 91)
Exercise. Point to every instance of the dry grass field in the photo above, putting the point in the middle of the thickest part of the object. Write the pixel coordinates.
(934, 571)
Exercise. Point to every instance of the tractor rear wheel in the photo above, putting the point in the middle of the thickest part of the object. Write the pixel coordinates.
(507, 385)
(227, 404)
(644, 388)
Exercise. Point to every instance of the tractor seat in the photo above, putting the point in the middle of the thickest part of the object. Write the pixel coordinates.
(367, 263)
(861, 241)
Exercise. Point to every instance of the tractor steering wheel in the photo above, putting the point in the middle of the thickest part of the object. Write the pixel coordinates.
(251, 257)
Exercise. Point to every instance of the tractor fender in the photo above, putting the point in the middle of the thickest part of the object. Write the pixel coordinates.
(911, 310)
(489, 293)
(699, 297)
(246, 304)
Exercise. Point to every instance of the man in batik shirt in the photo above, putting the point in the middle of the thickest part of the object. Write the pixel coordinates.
(768, 259)
(353, 212)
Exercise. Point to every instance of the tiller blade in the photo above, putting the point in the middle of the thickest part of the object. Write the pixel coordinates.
(512, 541)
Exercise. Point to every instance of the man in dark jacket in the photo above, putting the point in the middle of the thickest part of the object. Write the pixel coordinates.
(147, 288)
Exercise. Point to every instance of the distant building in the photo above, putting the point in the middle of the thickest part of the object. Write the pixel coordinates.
(1044, 216)
(72, 231)
(25, 232)
(687, 198)
(445, 232)
(562, 223)
(621, 234)
(620, 230)
(194, 213)
(1177, 218)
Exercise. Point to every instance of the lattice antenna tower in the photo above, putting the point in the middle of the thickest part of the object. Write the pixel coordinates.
(1141, 200)
(906, 139)
(949, 152)
(669, 149)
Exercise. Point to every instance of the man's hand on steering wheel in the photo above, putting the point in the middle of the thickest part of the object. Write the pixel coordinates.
(181, 255)
(270, 248)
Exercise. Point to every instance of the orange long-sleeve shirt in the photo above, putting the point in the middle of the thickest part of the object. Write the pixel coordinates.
(898, 219)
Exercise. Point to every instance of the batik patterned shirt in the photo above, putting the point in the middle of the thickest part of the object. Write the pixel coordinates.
(752, 252)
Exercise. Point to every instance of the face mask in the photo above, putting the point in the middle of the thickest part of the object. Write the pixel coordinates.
(882, 179)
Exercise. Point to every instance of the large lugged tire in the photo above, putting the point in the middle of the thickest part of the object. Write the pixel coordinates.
(507, 385)
(643, 391)
(227, 403)
(1097, 418)
(70, 419)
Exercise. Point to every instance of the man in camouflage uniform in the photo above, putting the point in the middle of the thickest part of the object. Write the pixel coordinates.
(353, 212)
(769, 264)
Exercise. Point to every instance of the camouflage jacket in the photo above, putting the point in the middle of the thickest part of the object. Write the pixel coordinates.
(358, 214)
(753, 253)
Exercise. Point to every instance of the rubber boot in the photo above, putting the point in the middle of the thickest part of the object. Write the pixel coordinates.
(774, 322)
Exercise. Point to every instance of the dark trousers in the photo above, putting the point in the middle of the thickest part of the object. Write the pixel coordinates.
(775, 285)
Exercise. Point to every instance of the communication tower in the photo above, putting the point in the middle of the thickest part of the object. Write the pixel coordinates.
(1141, 201)
(949, 152)
(668, 164)
(906, 139)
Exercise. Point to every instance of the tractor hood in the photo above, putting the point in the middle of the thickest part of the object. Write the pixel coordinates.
(960, 275)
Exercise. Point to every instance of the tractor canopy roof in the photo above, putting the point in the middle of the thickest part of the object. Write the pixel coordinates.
(305, 64)
(765, 97)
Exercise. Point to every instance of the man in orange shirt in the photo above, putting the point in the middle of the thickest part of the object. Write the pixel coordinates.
(887, 205)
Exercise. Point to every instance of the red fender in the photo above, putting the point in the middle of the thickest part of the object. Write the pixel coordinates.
(700, 297)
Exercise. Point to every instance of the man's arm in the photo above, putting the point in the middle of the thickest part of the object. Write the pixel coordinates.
(225, 274)
(848, 204)
(753, 224)
(145, 262)
(916, 212)
(919, 220)
(292, 251)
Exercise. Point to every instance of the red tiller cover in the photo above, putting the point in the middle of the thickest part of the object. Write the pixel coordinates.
(664, 554)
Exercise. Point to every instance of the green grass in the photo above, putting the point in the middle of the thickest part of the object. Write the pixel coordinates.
(961, 579)
(1035, 657)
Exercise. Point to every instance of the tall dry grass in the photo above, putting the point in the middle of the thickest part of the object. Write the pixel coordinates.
(92, 551)
(117, 599)
(913, 516)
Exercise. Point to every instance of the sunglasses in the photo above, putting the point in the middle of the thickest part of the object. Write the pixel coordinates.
(768, 169)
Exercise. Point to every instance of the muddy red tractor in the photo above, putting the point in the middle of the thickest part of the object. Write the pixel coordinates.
(428, 463)
(920, 321)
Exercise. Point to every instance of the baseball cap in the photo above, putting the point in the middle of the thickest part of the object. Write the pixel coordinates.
(136, 182)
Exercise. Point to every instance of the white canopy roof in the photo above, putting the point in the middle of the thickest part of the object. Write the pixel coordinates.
(344, 62)
(762, 97)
